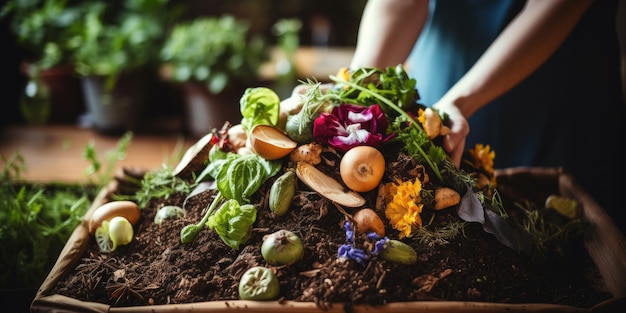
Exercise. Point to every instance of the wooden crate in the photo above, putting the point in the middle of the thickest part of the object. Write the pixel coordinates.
(606, 245)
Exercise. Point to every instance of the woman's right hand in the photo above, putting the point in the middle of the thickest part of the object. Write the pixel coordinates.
(454, 142)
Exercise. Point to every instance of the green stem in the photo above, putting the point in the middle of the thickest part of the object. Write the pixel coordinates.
(413, 122)
(209, 212)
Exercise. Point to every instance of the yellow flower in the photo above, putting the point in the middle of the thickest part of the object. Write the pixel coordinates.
(344, 74)
(421, 118)
(483, 157)
(404, 209)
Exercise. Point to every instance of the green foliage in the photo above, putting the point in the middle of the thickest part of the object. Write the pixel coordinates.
(157, 184)
(120, 36)
(239, 176)
(45, 29)
(35, 222)
(215, 51)
(101, 176)
(372, 85)
(551, 234)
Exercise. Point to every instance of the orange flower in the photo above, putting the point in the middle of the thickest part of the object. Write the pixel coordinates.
(483, 157)
(404, 209)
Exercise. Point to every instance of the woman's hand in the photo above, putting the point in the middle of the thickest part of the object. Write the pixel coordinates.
(454, 142)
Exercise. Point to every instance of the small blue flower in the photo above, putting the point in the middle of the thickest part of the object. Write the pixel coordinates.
(347, 226)
(373, 235)
(379, 246)
(349, 252)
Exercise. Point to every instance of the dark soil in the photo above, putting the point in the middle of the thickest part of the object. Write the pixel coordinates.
(156, 268)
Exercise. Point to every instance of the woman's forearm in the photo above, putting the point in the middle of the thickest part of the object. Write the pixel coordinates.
(524, 45)
(388, 31)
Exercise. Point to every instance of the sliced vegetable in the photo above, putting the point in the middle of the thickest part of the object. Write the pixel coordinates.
(102, 237)
(111, 234)
(327, 187)
(270, 142)
(259, 283)
(283, 247)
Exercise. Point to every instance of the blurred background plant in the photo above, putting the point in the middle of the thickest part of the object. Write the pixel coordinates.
(216, 51)
(287, 32)
(98, 37)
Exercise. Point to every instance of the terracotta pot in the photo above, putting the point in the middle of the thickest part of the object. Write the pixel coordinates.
(205, 111)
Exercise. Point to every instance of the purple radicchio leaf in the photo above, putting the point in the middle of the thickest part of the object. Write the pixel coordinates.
(350, 125)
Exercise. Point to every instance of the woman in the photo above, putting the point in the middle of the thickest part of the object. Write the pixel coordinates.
(539, 81)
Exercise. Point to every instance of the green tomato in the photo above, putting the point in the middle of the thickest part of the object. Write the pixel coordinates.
(259, 283)
(282, 248)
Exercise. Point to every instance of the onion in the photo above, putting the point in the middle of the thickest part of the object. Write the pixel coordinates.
(362, 168)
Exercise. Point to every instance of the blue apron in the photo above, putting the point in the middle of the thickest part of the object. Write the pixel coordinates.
(569, 113)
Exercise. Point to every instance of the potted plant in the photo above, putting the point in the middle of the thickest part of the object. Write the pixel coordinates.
(45, 32)
(213, 59)
(115, 56)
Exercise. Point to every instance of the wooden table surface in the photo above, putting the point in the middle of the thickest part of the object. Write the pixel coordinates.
(55, 153)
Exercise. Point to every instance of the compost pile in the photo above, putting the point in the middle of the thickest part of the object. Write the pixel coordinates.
(489, 246)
